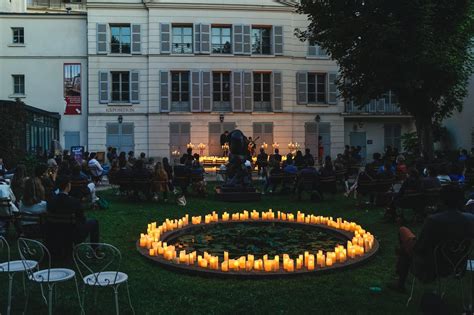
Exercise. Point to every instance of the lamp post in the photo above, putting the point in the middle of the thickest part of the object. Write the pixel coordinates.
(120, 119)
(317, 119)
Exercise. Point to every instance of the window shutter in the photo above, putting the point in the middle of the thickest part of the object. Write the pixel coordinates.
(302, 87)
(237, 91)
(205, 39)
(101, 38)
(247, 91)
(136, 39)
(278, 40)
(197, 38)
(135, 87)
(103, 87)
(332, 88)
(247, 40)
(165, 29)
(164, 91)
(206, 91)
(195, 91)
(238, 42)
(277, 92)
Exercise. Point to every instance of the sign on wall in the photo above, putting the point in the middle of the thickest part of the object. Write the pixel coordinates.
(72, 88)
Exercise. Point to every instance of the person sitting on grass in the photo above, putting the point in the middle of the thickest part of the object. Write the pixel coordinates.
(417, 253)
(62, 203)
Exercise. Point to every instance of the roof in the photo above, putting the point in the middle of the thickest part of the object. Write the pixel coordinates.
(32, 109)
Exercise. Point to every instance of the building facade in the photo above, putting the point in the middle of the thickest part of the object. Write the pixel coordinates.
(43, 61)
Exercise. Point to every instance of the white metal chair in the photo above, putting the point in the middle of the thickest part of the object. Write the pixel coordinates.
(36, 251)
(99, 265)
(11, 267)
(450, 259)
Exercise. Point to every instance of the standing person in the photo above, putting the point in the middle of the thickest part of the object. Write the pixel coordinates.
(251, 147)
(262, 163)
(275, 158)
(300, 162)
(169, 171)
(109, 155)
(160, 182)
(308, 157)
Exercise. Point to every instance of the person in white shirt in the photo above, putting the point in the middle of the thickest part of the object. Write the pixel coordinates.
(95, 167)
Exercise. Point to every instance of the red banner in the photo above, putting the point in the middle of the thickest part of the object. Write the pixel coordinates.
(72, 88)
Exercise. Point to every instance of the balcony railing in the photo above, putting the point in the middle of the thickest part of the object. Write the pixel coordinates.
(381, 106)
(57, 4)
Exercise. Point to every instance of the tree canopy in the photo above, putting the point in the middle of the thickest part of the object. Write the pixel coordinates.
(418, 49)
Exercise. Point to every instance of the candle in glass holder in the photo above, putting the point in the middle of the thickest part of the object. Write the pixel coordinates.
(328, 261)
(225, 266)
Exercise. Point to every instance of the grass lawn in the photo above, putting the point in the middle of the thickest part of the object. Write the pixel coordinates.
(158, 291)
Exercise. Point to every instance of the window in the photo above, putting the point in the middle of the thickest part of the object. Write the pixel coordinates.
(316, 88)
(180, 91)
(221, 40)
(263, 132)
(18, 84)
(18, 35)
(314, 50)
(221, 92)
(392, 133)
(262, 92)
(261, 42)
(182, 40)
(121, 87)
(120, 41)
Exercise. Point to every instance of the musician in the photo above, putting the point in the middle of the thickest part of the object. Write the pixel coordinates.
(252, 146)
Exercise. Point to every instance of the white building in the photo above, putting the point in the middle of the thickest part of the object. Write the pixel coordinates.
(39, 49)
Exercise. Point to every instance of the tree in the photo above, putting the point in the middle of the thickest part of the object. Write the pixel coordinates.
(12, 131)
(418, 49)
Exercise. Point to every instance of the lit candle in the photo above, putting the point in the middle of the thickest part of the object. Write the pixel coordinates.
(225, 266)
(329, 261)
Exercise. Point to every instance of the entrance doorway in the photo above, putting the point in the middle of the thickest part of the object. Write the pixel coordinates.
(359, 139)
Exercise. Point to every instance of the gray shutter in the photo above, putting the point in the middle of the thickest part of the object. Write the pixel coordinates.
(277, 92)
(238, 39)
(197, 38)
(206, 91)
(278, 40)
(135, 87)
(101, 38)
(136, 39)
(195, 91)
(302, 87)
(165, 37)
(332, 88)
(312, 50)
(247, 40)
(164, 91)
(205, 39)
(103, 87)
(247, 91)
(237, 91)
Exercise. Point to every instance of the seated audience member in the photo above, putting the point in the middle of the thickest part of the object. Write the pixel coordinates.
(463, 156)
(52, 162)
(327, 170)
(412, 184)
(274, 179)
(94, 166)
(131, 159)
(143, 157)
(469, 207)
(340, 162)
(181, 174)
(443, 176)
(160, 182)
(387, 171)
(169, 171)
(289, 167)
(308, 173)
(7, 209)
(139, 171)
(431, 180)
(401, 167)
(456, 174)
(62, 203)
(18, 181)
(64, 169)
(33, 201)
(417, 253)
(262, 163)
(299, 160)
(88, 189)
(373, 167)
(308, 157)
(47, 177)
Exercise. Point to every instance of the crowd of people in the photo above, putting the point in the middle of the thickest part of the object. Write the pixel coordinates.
(48, 190)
